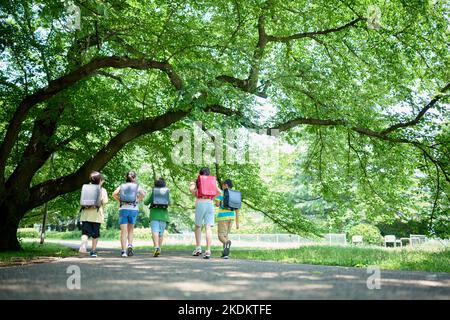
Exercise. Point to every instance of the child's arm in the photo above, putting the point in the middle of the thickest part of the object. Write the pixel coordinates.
(148, 199)
(116, 194)
(237, 219)
(141, 194)
(104, 197)
(193, 188)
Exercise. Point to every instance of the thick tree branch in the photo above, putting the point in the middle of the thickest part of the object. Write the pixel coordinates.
(251, 83)
(272, 38)
(420, 115)
(70, 79)
(50, 189)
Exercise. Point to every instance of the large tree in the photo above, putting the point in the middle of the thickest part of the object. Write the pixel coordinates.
(138, 67)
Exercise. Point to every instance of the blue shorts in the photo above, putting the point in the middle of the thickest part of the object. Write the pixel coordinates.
(204, 213)
(158, 226)
(128, 216)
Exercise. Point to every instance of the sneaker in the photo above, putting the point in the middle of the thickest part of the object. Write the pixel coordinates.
(124, 254)
(197, 252)
(207, 255)
(224, 257)
(226, 249)
(130, 251)
(93, 254)
(157, 252)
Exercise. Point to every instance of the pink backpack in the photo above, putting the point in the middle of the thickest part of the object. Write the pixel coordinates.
(206, 187)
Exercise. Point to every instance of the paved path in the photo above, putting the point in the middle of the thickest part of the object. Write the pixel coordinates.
(177, 275)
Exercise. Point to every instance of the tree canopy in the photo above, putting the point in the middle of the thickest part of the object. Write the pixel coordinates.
(367, 99)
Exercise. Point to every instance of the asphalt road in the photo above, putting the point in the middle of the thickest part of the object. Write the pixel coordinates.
(177, 275)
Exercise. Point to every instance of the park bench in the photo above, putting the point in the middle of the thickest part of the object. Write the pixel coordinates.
(357, 239)
(417, 239)
(392, 239)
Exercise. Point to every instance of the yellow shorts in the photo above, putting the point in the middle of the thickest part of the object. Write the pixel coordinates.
(224, 227)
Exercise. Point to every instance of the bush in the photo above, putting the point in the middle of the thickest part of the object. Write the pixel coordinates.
(63, 235)
(28, 233)
(370, 233)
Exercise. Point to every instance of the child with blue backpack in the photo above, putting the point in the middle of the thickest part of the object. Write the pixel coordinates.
(159, 215)
(128, 195)
(225, 218)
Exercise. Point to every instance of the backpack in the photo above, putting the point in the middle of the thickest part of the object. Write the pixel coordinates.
(91, 196)
(232, 199)
(128, 193)
(206, 187)
(160, 198)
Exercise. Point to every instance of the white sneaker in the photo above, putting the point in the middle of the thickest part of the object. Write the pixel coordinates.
(82, 249)
(124, 254)
(197, 252)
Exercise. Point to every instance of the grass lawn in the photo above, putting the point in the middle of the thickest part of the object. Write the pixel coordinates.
(433, 260)
(417, 259)
(34, 252)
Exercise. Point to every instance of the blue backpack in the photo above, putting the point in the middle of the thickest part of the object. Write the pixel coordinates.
(161, 198)
(232, 199)
(128, 193)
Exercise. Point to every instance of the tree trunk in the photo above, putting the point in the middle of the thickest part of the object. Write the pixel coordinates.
(10, 216)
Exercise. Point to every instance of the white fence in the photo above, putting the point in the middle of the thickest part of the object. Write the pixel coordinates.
(246, 240)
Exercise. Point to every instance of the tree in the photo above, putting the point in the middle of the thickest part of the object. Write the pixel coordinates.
(136, 68)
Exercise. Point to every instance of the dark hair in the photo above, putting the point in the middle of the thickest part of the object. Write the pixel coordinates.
(131, 175)
(229, 183)
(96, 177)
(204, 171)
(160, 183)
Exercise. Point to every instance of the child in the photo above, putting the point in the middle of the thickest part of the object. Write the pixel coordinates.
(128, 195)
(225, 219)
(92, 218)
(159, 218)
(204, 213)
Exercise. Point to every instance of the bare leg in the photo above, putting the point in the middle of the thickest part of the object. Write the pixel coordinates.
(123, 236)
(208, 232)
(84, 240)
(156, 240)
(130, 233)
(161, 238)
(198, 235)
(94, 244)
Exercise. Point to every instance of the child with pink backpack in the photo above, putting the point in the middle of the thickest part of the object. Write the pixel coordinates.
(205, 190)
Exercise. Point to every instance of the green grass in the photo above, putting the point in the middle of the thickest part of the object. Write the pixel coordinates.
(33, 250)
(417, 259)
(436, 260)
(110, 234)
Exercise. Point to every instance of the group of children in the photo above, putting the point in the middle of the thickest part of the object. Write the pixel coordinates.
(130, 194)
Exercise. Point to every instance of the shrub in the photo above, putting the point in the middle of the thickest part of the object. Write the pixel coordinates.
(28, 233)
(370, 233)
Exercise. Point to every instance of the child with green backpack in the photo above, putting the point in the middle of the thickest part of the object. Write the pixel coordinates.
(159, 201)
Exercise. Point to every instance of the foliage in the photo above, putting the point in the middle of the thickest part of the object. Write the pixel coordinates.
(29, 233)
(368, 106)
(370, 233)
